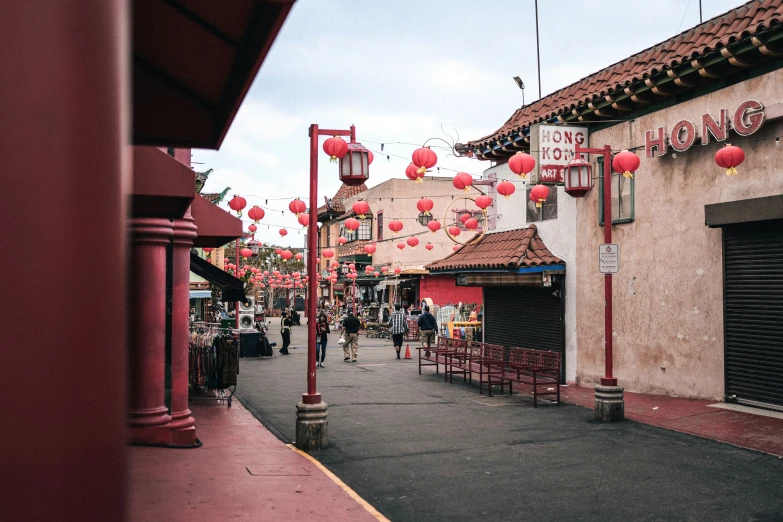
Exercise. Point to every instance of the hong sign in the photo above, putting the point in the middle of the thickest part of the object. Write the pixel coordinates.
(609, 258)
(553, 147)
(746, 120)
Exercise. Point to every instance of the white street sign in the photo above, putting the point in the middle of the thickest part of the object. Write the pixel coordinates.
(609, 258)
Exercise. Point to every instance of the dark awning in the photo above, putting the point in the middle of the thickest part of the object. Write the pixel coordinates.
(162, 186)
(233, 288)
(743, 211)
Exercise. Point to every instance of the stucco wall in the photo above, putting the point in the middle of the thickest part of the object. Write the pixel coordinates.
(443, 290)
(668, 311)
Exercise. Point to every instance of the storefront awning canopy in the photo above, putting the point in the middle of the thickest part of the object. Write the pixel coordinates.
(200, 294)
(216, 227)
(162, 186)
(233, 288)
(519, 250)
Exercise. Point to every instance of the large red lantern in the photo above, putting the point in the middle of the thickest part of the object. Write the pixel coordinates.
(463, 181)
(397, 270)
(207, 249)
(278, 251)
(412, 172)
(472, 223)
(245, 252)
(483, 201)
(626, 162)
(395, 226)
(370, 157)
(256, 213)
(370, 248)
(351, 266)
(252, 228)
(237, 203)
(454, 231)
(455, 248)
(425, 205)
(354, 166)
(303, 219)
(434, 225)
(283, 232)
(538, 194)
(336, 148)
(342, 240)
(297, 206)
(730, 157)
(464, 217)
(328, 254)
(429, 246)
(424, 159)
(522, 164)
(298, 257)
(376, 274)
(361, 208)
(506, 188)
(352, 224)
(412, 241)
(401, 245)
(286, 255)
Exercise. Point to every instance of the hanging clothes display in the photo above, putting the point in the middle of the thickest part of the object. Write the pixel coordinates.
(213, 361)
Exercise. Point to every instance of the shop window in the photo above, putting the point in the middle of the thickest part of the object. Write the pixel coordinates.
(622, 196)
(548, 209)
(379, 233)
(365, 229)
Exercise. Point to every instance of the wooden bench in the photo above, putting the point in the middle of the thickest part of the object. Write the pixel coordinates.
(486, 360)
(533, 369)
(413, 330)
(434, 356)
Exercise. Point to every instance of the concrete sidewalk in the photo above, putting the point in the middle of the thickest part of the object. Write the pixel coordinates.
(242, 472)
(760, 431)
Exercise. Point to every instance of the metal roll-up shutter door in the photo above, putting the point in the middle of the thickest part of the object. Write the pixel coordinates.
(753, 312)
(524, 317)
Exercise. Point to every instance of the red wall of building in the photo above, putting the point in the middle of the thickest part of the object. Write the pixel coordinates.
(443, 290)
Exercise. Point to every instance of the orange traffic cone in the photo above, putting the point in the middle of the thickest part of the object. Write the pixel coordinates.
(408, 352)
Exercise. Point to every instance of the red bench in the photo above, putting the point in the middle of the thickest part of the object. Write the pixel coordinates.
(434, 356)
(533, 369)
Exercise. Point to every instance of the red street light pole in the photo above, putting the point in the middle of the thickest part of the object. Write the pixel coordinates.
(608, 379)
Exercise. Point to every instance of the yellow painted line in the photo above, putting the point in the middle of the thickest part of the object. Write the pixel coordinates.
(351, 493)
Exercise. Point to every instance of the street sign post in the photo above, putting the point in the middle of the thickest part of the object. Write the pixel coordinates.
(609, 258)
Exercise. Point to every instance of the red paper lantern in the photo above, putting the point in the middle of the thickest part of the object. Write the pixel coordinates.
(454, 231)
(506, 188)
(376, 274)
(252, 228)
(334, 264)
(256, 213)
(395, 226)
(237, 203)
(328, 254)
(283, 232)
(730, 157)
(245, 252)
(370, 248)
(433, 225)
(303, 219)
(412, 172)
(464, 217)
(207, 250)
(538, 194)
(400, 245)
(472, 223)
(384, 269)
(397, 270)
(352, 266)
(463, 181)
(455, 248)
(336, 148)
(626, 162)
(286, 255)
(278, 251)
(429, 246)
(297, 206)
(361, 208)
(342, 240)
(424, 159)
(522, 164)
(298, 257)
(370, 157)
(412, 241)
(352, 224)
(425, 205)
(483, 201)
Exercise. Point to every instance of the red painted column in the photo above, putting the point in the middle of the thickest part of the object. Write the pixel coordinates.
(608, 379)
(148, 417)
(183, 429)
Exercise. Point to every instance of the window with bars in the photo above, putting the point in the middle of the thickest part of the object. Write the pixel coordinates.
(363, 233)
(622, 196)
(548, 209)
(379, 234)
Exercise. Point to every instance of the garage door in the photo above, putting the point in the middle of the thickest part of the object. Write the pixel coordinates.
(753, 312)
(525, 317)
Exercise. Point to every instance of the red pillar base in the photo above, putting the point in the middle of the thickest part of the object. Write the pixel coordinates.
(608, 381)
(149, 426)
(184, 437)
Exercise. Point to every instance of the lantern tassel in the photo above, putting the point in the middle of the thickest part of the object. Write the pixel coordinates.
(333, 159)
(522, 175)
(628, 174)
(731, 171)
(419, 180)
(538, 203)
(427, 213)
(421, 170)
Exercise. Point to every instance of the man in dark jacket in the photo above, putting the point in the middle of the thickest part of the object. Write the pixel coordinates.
(428, 326)
(351, 325)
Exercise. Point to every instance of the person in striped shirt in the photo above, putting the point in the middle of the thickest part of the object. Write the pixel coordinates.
(398, 326)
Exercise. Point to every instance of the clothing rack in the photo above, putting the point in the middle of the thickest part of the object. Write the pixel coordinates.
(213, 362)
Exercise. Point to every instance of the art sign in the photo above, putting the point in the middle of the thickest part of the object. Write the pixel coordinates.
(553, 147)
(746, 120)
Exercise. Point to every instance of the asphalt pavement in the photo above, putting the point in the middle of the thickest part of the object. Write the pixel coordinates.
(418, 448)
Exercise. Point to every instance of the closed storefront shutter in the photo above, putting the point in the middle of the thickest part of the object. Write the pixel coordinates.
(753, 312)
(524, 317)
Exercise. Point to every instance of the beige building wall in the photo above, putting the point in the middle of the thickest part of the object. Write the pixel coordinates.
(668, 308)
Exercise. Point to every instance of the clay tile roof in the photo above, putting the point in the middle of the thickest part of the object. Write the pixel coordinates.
(336, 204)
(511, 249)
(740, 23)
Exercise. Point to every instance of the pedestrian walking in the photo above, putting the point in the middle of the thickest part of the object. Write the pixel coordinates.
(428, 325)
(285, 331)
(398, 326)
(322, 329)
(351, 346)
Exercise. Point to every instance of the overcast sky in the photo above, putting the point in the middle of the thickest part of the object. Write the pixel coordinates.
(400, 70)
